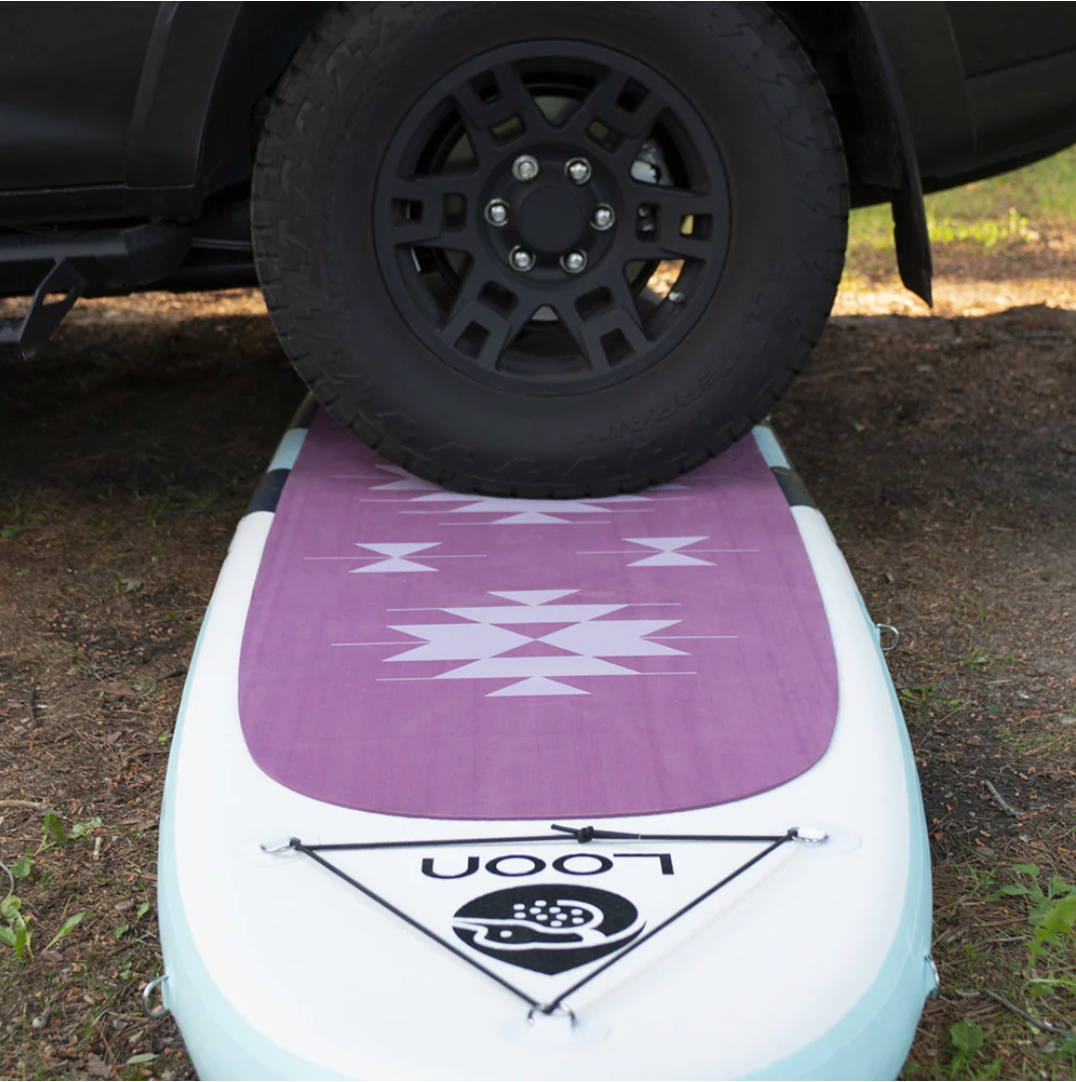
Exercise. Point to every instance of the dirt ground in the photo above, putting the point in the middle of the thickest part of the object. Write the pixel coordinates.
(942, 447)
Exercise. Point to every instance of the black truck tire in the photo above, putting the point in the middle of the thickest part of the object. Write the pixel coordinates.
(416, 156)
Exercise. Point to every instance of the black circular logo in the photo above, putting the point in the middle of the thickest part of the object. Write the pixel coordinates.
(548, 928)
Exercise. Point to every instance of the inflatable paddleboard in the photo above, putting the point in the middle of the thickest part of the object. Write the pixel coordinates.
(467, 787)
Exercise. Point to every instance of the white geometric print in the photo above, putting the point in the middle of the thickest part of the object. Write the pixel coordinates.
(392, 556)
(507, 511)
(395, 553)
(574, 641)
(667, 552)
(537, 685)
(405, 482)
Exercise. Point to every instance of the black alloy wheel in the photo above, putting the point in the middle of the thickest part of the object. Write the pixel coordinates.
(549, 250)
(526, 202)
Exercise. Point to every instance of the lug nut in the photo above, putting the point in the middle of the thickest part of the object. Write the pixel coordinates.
(578, 170)
(497, 212)
(573, 262)
(521, 259)
(603, 217)
(525, 167)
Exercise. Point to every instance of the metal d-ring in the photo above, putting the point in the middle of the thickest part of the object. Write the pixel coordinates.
(809, 835)
(893, 631)
(935, 991)
(537, 1010)
(147, 997)
(278, 846)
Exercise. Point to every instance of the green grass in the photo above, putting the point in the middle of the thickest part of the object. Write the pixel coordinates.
(1062, 744)
(1011, 209)
(926, 703)
(1006, 947)
(15, 519)
(66, 1014)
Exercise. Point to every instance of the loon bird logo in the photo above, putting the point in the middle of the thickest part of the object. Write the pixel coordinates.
(548, 928)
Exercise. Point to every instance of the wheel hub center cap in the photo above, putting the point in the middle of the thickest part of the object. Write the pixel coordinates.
(551, 218)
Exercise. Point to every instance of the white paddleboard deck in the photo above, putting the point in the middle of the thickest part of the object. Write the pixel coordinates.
(358, 874)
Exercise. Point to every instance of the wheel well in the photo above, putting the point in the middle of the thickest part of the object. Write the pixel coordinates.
(268, 36)
(832, 37)
(849, 54)
(841, 40)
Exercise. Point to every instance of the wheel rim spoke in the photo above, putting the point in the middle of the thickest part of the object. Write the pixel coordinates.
(468, 294)
(608, 336)
(587, 342)
(682, 223)
(607, 104)
(417, 209)
(509, 98)
(624, 300)
(497, 329)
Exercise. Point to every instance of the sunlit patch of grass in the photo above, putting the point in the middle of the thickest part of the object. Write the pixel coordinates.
(1011, 209)
(985, 232)
(872, 227)
(1044, 191)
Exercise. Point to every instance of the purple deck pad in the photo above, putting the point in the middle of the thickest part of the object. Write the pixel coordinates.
(421, 652)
